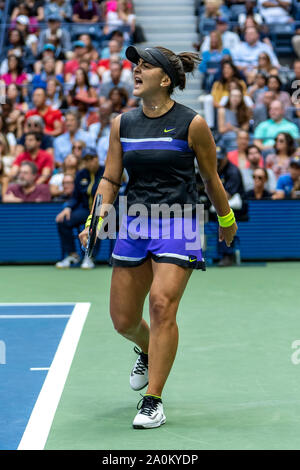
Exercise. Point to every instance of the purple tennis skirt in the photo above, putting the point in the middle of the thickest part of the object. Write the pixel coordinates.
(172, 240)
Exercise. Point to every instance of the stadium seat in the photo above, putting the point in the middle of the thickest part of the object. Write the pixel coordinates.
(281, 36)
(206, 25)
(236, 10)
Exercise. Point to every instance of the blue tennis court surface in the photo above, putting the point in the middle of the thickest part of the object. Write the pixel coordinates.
(29, 335)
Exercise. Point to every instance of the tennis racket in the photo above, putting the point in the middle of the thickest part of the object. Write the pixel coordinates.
(92, 237)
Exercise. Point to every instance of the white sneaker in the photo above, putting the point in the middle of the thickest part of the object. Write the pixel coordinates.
(151, 414)
(139, 374)
(87, 263)
(68, 261)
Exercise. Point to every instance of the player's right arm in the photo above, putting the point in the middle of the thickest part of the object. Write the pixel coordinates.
(113, 172)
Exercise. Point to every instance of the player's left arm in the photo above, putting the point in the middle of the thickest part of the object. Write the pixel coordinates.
(201, 141)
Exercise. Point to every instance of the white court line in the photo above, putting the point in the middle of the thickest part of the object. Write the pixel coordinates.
(32, 316)
(39, 368)
(38, 304)
(40, 421)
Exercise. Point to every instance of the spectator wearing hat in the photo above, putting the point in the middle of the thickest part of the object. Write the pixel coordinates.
(288, 185)
(43, 160)
(230, 40)
(260, 178)
(41, 79)
(63, 144)
(79, 50)
(77, 209)
(54, 30)
(50, 50)
(27, 188)
(266, 132)
(52, 117)
(36, 124)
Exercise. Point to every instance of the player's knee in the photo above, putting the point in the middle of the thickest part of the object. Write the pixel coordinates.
(123, 326)
(162, 310)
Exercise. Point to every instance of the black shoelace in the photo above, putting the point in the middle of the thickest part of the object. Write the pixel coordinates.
(141, 365)
(149, 405)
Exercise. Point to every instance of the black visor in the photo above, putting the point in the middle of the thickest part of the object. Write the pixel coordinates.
(154, 57)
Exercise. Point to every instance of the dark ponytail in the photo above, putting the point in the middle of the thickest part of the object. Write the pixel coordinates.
(183, 63)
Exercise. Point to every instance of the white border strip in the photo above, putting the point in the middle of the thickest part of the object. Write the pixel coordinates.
(40, 421)
(38, 304)
(18, 317)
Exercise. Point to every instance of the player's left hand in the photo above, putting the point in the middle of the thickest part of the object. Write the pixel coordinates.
(227, 233)
(83, 237)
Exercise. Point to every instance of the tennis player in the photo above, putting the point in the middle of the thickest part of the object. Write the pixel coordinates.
(157, 143)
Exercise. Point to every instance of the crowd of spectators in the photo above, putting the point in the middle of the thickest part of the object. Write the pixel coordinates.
(64, 76)
(250, 78)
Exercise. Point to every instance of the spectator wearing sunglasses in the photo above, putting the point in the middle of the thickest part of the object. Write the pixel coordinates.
(78, 148)
(35, 124)
(254, 158)
(279, 161)
(260, 178)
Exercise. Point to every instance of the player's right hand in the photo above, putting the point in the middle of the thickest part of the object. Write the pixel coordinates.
(83, 237)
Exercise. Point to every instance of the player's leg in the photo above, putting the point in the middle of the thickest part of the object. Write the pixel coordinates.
(129, 288)
(169, 282)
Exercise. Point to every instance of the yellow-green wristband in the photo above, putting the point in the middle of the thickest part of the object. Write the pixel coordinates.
(100, 224)
(88, 221)
(227, 220)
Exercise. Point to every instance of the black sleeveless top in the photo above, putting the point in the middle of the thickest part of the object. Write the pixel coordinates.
(156, 155)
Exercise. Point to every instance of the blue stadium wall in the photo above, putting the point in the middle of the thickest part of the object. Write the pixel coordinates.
(29, 235)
